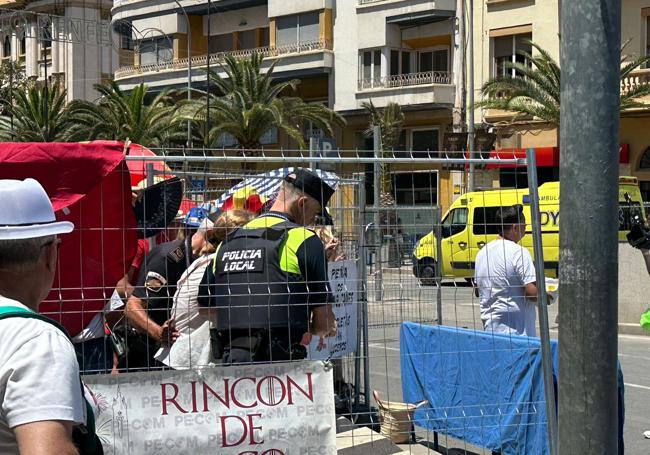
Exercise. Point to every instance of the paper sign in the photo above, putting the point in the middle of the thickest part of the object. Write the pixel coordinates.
(265, 409)
(344, 285)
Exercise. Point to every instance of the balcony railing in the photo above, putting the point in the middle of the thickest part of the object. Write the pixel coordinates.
(217, 58)
(635, 79)
(405, 80)
(366, 2)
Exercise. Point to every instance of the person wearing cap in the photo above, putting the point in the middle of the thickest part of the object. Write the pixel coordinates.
(41, 399)
(268, 282)
(148, 307)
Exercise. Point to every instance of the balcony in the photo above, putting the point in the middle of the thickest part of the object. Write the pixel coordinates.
(297, 49)
(635, 79)
(405, 80)
(429, 87)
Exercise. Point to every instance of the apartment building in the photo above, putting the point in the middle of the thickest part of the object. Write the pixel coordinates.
(69, 41)
(344, 52)
(501, 30)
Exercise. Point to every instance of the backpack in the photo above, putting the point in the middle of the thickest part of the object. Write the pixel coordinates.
(83, 436)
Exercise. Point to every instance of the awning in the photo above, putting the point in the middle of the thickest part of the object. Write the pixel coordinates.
(421, 18)
(545, 156)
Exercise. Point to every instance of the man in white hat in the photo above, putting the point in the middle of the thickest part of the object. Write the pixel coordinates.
(41, 398)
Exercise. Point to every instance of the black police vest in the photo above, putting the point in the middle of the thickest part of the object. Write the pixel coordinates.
(251, 291)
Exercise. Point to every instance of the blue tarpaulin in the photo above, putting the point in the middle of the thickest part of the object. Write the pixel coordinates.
(482, 388)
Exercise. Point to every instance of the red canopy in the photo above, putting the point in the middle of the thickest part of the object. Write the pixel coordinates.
(89, 185)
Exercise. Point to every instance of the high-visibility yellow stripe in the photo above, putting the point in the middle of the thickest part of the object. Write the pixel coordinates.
(288, 250)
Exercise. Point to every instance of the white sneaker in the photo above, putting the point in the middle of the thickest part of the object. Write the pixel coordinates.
(646, 434)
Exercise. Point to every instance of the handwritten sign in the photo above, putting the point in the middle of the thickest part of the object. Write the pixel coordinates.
(265, 409)
(344, 284)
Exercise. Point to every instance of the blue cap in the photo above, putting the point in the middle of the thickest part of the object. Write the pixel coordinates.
(195, 216)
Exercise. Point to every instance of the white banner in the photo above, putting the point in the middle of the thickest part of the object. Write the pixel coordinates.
(265, 409)
(344, 284)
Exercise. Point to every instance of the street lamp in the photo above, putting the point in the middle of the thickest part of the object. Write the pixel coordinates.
(189, 68)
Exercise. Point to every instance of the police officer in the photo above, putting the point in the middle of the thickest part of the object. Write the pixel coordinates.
(147, 309)
(268, 282)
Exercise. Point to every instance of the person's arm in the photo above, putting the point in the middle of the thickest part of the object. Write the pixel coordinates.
(313, 266)
(136, 313)
(526, 269)
(531, 291)
(48, 437)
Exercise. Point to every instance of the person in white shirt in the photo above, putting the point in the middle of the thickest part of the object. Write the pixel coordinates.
(505, 276)
(41, 399)
(193, 323)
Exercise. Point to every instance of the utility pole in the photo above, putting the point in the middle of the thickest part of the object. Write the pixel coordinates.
(189, 69)
(589, 141)
(470, 92)
(459, 67)
(207, 81)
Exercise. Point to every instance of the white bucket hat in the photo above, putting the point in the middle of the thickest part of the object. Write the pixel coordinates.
(26, 212)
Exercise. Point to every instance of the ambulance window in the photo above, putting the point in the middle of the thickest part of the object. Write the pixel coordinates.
(485, 221)
(626, 213)
(454, 223)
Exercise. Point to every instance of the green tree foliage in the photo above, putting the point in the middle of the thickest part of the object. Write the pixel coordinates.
(119, 115)
(535, 92)
(40, 115)
(247, 103)
(390, 121)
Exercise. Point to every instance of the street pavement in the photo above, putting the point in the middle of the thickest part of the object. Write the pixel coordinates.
(405, 300)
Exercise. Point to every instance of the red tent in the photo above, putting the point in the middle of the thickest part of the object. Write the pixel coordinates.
(89, 184)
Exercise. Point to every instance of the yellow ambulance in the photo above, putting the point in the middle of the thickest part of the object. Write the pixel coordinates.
(470, 223)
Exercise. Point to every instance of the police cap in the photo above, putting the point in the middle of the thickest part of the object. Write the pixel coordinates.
(312, 185)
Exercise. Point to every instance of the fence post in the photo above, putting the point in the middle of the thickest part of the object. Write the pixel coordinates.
(377, 215)
(590, 99)
(362, 304)
(542, 308)
(437, 226)
(150, 181)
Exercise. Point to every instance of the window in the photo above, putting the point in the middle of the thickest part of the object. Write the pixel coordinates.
(433, 60)
(247, 39)
(425, 141)
(370, 68)
(415, 188)
(46, 35)
(221, 43)
(264, 37)
(647, 38)
(485, 221)
(22, 46)
(506, 50)
(454, 223)
(156, 51)
(400, 62)
(6, 47)
(298, 29)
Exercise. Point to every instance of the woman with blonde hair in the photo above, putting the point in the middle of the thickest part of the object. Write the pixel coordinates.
(192, 348)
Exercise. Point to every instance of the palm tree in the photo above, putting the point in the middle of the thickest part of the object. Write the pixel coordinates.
(40, 115)
(390, 121)
(536, 90)
(120, 115)
(248, 104)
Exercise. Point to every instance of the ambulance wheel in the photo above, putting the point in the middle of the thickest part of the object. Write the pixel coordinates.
(427, 272)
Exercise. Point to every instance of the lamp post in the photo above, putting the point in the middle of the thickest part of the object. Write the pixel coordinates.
(189, 68)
